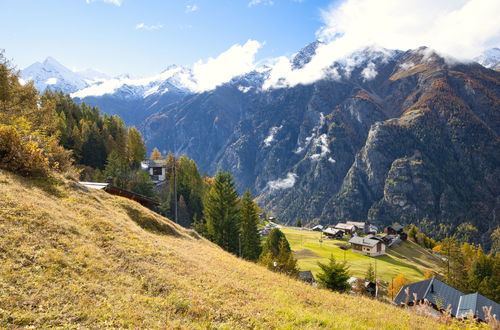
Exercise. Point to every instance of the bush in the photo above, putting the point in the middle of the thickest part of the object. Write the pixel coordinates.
(29, 152)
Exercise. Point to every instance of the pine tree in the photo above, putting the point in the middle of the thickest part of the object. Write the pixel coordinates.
(273, 241)
(117, 169)
(250, 238)
(222, 214)
(334, 275)
(142, 184)
(370, 274)
(276, 254)
(298, 223)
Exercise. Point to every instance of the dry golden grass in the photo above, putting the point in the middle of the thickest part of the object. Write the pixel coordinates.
(71, 258)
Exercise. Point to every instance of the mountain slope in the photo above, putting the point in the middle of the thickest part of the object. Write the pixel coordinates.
(53, 75)
(70, 257)
(392, 136)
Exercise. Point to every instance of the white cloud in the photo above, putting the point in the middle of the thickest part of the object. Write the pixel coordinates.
(237, 60)
(114, 2)
(460, 28)
(369, 72)
(142, 26)
(260, 2)
(285, 183)
(192, 8)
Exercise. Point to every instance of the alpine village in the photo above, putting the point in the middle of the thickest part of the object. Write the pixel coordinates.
(347, 185)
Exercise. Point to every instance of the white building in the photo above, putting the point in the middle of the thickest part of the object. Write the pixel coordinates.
(157, 169)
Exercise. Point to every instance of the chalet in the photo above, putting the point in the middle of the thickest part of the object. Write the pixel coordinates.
(306, 276)
(317, 228)
(442, 297)
(368, 246)
(361, 227)
(113, 190)
(346, 228)
(157, 169)
(333, 233)
(393, 229)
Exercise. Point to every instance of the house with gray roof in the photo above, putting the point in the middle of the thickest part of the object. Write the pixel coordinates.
(443, 297)
(368, 246)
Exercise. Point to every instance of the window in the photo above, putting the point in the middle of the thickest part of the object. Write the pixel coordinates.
(157, 171)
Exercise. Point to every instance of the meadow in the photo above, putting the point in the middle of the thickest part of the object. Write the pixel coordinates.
(405, 258)
(76, 258)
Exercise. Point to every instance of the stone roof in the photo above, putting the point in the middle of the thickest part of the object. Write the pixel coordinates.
(306, 275)
(344, 226)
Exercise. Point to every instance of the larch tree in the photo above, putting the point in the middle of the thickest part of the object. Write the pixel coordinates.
(250, 238)
(156, 155)
(136, 147)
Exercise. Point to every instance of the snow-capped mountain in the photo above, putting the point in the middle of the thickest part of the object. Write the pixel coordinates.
(55, 76)
(490, 59)
(174, 78)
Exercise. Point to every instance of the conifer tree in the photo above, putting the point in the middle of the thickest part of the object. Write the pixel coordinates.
(250, 238)
(156, 155)
(276, 254)
(117, 169)
(136, 147)
(370, 273)
(222, 214)
(334, 275)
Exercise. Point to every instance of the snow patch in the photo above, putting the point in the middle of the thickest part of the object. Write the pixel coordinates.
(284, 183)
(272, 132)
(51, 81)
(320, 142)
(244, 89)
(151, 91)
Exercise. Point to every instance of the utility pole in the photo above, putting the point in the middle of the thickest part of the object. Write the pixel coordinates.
(392, 289)
(175, 174)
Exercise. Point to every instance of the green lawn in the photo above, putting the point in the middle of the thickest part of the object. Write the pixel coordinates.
(406, 258)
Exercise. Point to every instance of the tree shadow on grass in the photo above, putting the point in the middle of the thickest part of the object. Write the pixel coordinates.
(51, 185)
(391, 260)
(150, 223)
(415, 260)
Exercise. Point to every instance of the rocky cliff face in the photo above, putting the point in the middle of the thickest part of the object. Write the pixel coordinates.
(415, 140)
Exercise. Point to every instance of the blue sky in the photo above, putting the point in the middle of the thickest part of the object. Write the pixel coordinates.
(230, 37)
(109, 37)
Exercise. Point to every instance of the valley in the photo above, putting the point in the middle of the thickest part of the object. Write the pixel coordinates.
(405, 258)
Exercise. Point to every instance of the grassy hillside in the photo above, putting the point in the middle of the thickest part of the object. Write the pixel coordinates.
(405, 258)
(70, 257)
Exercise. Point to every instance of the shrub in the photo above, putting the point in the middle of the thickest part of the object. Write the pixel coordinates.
(29, 152)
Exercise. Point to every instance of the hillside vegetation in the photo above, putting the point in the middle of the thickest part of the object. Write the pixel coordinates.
(70, 257)
(405, 258)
